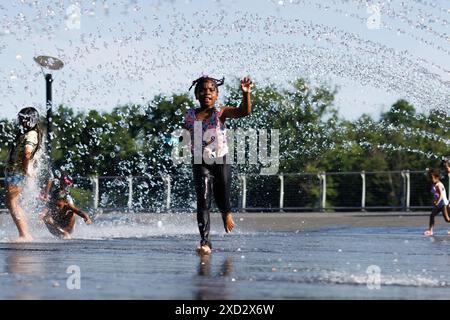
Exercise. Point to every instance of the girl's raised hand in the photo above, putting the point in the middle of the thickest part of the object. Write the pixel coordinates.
(246, 85)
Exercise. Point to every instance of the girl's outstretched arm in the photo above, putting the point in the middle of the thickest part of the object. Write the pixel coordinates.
(80, 213)
(246, 106)
(44, 196)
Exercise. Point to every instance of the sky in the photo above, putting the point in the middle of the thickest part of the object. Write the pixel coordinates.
(126, 51)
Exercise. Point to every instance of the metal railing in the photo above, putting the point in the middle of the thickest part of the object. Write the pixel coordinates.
(324, 191)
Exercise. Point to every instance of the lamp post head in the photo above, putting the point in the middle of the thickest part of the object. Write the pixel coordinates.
(50, 63)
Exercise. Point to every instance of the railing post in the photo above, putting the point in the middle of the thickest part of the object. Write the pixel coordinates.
(448, 188)
(95, 190)
(244, 192)
(363, 191)
(130, 193)
(281, 191)
(168, 185)
(408, 190)
(323, 193)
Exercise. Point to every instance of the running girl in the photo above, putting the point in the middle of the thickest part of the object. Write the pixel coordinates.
(440, 201)
(211, 171)
(19, 166)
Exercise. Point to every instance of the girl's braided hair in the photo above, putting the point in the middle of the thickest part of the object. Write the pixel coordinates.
(200, 81)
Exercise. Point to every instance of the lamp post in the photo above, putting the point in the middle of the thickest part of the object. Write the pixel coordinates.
(49, 63)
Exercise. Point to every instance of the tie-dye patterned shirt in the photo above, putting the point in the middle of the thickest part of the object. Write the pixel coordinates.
(214, 143)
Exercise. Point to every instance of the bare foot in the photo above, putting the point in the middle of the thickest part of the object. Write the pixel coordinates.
(228, 222)
(203, 250)
(66, 236)
(26, 238)
(428, 233)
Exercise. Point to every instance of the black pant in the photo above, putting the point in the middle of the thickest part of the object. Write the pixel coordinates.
(214, 177)
(445, 212)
